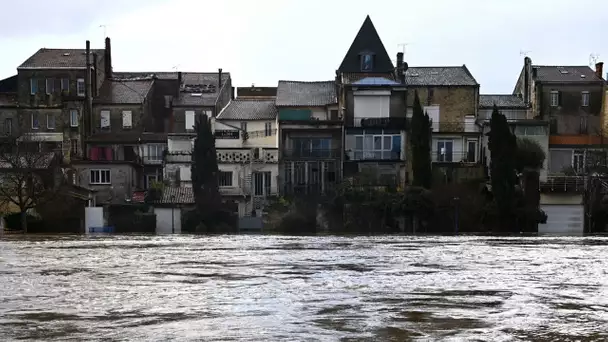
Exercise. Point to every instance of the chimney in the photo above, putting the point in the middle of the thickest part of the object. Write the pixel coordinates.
(108, 58)
(179, 83)
(400, 71)
(219, 79)
(535, 72)
(599, 69)
(94, 77)
(528, 74)
(233, 91)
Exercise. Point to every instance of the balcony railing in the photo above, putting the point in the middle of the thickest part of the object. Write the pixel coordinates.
(455, 157)
(562, 183)
(152, 160)
(178, 157)
(386, 122)
(454, 127)
(260, 134)
(312, 153)
(373, 155)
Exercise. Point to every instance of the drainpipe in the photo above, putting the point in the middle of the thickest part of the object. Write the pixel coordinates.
(88, 103)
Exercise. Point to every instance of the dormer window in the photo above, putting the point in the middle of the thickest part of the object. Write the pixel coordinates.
(367, 62)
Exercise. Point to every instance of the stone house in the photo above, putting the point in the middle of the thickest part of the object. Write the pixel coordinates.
(9, 126)
(310, 137)
(570, 98)
(372, 98)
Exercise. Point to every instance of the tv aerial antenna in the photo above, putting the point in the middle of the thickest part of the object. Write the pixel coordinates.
(524, 53)
(593, 59)
(105, 30)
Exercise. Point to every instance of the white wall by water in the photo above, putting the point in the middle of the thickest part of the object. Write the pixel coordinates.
(93, 217)
(163, 220)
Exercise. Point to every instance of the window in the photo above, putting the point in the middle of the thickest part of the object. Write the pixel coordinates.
(50, 121)
(150, 179)
(126, 119)
(471, 151)
(578, 161)
(65, 84)
(333, 114)
(268, 129)
(225, 178)
(189, 120)
(367, 62)
(35, 122)
(430, 95)
(554, 98)
(377, 147)
(552, 125)
(33, 86)
(80, 87)
(311, 147)
(445, 150)
(583, 125)
(100, 177)
(8, 126)
(50, 86)
(155, 152)
(105, 120)
(585, 99)
(74, 147)
(73, 117)
(261, 183)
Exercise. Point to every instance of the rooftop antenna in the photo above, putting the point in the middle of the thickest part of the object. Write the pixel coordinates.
(105, 30)
(593, 58)
(524, 53)
(175, 67)
(402, 47)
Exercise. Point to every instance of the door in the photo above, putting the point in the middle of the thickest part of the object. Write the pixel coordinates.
(563, 219)
(261, 183)
(471, 151)
(444, 150)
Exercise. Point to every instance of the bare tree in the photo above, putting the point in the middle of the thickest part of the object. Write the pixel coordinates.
(28, 179)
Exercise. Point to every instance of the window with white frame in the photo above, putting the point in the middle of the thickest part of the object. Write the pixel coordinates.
(104, 121)
(150, 179)
(80, 87)
(585, 99)
(578, 161)
(100, 177)
(73, 117)
(155, 152)
(377, 146)
(127, 119)
(50, 121)
(190, 120)
(50, 86)
(445, 150)
(225, 178)
(33, 86)
(554, 98)
(268, 129)
(35, 121)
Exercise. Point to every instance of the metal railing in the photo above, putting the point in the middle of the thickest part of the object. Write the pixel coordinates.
(384, 122)
(312, 153)
(455, 157)
(562, 183)
(152, 160)
(374, 155)
(259, 134)
(454, 127)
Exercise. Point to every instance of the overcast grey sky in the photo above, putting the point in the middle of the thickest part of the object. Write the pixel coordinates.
(266, 40)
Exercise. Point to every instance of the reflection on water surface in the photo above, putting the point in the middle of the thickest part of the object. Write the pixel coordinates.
(254, 288)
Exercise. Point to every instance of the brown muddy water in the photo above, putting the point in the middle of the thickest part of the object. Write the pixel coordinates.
(258, 288)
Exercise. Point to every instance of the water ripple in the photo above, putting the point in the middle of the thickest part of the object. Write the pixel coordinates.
(253, 288)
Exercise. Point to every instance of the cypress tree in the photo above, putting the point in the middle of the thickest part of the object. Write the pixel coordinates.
(503, 148)
(420, 133)
(205, 171)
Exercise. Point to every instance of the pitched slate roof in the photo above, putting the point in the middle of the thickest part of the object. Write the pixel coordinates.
(59, 59)
(8, 85)
(352, 77)
(439, 76)
(367, 41)
(547, 73)
(502, 101)
(124, 91)
(249, 109)
(306, 94)
(175, 195)
(196, 89)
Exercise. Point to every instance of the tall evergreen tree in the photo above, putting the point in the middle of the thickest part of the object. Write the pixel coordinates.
(420, 134)
(205, 171)
(503, 148)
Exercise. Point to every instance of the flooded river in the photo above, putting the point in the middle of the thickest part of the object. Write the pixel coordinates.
(257, 288)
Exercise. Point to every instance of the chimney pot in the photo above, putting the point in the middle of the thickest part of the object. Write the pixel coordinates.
(599, 69)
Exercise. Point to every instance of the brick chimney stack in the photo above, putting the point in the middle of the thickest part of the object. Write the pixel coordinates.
(219, 79)
(599, 69)
(108, 58)
(400, 69)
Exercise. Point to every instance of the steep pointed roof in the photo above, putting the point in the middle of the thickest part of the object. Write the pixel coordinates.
(367, 41)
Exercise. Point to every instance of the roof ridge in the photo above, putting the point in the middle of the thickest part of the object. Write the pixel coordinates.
(439, 66)
(307, 81)
(561, 66)
(497, 95)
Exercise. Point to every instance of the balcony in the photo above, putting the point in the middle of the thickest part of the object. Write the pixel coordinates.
(178, 157)
(312, 153)
(354, 155)
(152, 160)
(454, 127)
(385, 122)
(454, 157)
(563, 184)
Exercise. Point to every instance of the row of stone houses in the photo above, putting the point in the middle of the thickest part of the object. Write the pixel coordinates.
(122, 131)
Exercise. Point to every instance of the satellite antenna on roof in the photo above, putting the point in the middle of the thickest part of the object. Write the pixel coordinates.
(524, 53)
(593, 58)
